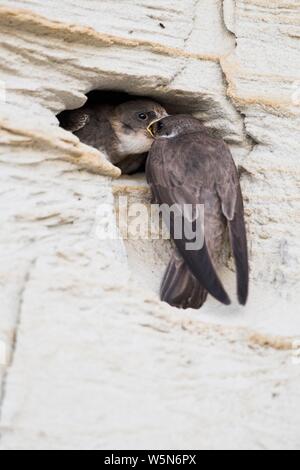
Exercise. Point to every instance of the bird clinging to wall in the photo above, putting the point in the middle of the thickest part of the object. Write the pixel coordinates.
(187, 166)
(118, 130)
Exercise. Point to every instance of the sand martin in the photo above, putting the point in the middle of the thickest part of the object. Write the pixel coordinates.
(188, 166)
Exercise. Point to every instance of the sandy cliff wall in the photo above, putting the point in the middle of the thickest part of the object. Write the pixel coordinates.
(94, 360)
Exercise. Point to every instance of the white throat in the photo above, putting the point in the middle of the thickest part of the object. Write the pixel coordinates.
(133, 143)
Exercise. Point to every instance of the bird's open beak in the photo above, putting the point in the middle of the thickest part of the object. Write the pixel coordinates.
(150, 127)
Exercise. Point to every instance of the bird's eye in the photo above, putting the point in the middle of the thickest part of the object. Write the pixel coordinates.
(143, 116)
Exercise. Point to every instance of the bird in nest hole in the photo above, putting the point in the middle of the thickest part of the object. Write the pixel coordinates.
(117, 130)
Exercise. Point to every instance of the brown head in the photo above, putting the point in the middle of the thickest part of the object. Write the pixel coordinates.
(131, 121)
(174, 126)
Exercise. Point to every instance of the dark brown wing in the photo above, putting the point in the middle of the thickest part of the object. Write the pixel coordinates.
(182, 171)
(229, 190)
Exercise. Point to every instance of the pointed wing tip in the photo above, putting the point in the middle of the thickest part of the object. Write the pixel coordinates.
(226, 300)
(243, 292)
(222, 297)
(243, 299)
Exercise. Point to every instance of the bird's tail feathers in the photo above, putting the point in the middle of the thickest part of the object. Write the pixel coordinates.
(180, 288)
